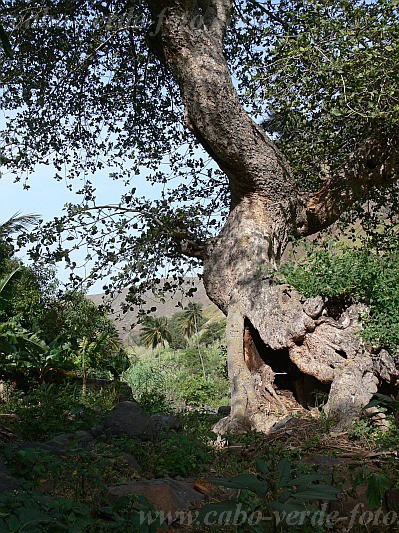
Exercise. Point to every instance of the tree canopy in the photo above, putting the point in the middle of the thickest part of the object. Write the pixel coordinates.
(85, 94)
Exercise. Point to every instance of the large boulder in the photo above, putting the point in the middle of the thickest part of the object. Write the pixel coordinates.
(128, 419)
(166, 422)
(168, 495)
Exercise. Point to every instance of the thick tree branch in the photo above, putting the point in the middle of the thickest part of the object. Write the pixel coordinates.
(374, 164)
(192, 49)
(188, 244)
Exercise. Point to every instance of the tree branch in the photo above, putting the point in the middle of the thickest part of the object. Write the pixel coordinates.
(213, 111)
(188, 244)
(374, 164)
(271, 15)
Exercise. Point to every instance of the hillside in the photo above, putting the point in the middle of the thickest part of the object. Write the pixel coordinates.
(173, 302)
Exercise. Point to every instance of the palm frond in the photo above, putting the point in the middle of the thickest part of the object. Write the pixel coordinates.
(6, 279)
(17, 223)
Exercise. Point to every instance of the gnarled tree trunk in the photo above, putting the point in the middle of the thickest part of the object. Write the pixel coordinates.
(273, 335)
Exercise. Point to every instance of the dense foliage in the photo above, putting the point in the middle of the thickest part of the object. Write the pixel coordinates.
(90, 99)
(357, 273)
(192, 374)
(323, 78)
(44, 332)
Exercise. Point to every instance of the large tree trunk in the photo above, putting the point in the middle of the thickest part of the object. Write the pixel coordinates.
(275, 338)
(285, 335)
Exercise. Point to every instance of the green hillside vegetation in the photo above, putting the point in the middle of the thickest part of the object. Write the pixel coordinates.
(181, 361)
(54, 345)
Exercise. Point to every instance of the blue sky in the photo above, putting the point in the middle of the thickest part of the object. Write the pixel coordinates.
(46, 197)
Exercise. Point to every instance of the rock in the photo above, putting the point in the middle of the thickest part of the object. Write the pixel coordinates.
(224, 410)
(385, 366)
(165, 422)
(97, 431)
(168, 495)
(83, 436)
(313, 307)
(353, 387)
(228, 425)
(131, 461)
(63, 440)
(78, 439)
(128, 419)
(378, 418)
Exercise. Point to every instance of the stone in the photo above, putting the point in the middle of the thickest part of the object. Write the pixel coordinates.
(82, 435)
(313, 307)
(61, 443)
(166, 422)
(131, 461)
(168, 495)
(129, 420)
(385, 366)
(97, 431)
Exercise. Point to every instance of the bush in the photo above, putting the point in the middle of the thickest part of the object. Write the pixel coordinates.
(195, 391)
(336, 270)
(144, 379)
(49, 410)
(215, 332)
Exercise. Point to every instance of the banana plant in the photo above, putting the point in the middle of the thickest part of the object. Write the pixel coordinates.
(24, 351)
(95, 353)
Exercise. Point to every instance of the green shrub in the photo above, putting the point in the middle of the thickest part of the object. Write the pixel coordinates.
(50, 409)
(154, 402)
(214, 332)
(195, 391)
(278, 486)
(366, 273)
(143, 378)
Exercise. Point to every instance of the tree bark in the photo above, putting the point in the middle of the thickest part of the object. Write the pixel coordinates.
(287, 336)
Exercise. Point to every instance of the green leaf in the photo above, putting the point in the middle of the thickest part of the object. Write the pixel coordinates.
(244, 481)
(6, 280)
(377, 486)
(284, 473)
(263, 466)
(318, 492)
(305, 479)
(287, 507)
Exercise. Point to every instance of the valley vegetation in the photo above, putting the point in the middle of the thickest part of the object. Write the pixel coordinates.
(269, 133)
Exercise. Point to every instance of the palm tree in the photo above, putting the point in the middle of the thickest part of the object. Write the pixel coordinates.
(155, 332)
(16, 223)
(189, 321)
